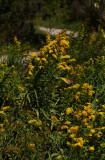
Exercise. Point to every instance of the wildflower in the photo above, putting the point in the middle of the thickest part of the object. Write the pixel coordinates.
(59, 133)
(55, 118)
(2, 112)
(64, 127)
(12, 66)
(103, 128)
(33, 55)
(30, 66)
(27, 77)
(65, 56)
(20, 88)
(1, 125)
(67, 122)
(44, 59)
(101, 113)
(15, 39)
(59, 157)
(90, 93)
(5, 108)
(73, 129)
(103, 106)
(38, 59)
(32, 147)
(53, 55)
(64, 79)
(2, 129)
(91, 148)
(69, 110)
(30, 73)
(72, 135)
(40, 67)
(76, 86)
(92, 130)
(31, 121)
(68, 143)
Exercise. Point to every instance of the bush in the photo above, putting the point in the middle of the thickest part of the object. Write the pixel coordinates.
(54, 110)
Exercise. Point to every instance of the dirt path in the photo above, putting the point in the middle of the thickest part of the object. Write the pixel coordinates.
(54, 31)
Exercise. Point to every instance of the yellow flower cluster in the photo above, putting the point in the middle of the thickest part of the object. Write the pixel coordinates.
(30, 67)
(69, 110)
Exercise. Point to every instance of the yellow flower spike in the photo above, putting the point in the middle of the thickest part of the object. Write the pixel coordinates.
(59, 133)
(91, 148)
(1, 125)
(20, 88)
(30, 73)
(103, 106)
(101, 113)
(38, 59)
(68, 143)
(59, 157)
(55, 118)
(2, 112)
(53, 55)
(30, 66)
(67, 122)
(2, 129)
(32, 145)
(44, 59)
(64, 127)
(65, 56)
(5, 108)
(33, 55)
(72, 136)
(92, 131)
(69, 110)
(15, 39)
(64, 79)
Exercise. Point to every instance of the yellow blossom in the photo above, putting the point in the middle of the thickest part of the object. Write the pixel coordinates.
(59, 133)
(73, 129)
(44, 59)
(67, 122)
(92, 130)
(64, 79)
(91, 148)
(33, 55)
(2, 112)
(53, 55)
(65, 56)
(1, 125)
(68, 143)
(64, 127)
(90, 93)
(69, 110)
(30, 66)
(2, 129)
(20, 88)
(103, 106)
(38, 59)
(31, 121)
(59, 157)
(101, 113)
(5, 108)
(30, 73)
(72, 135)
